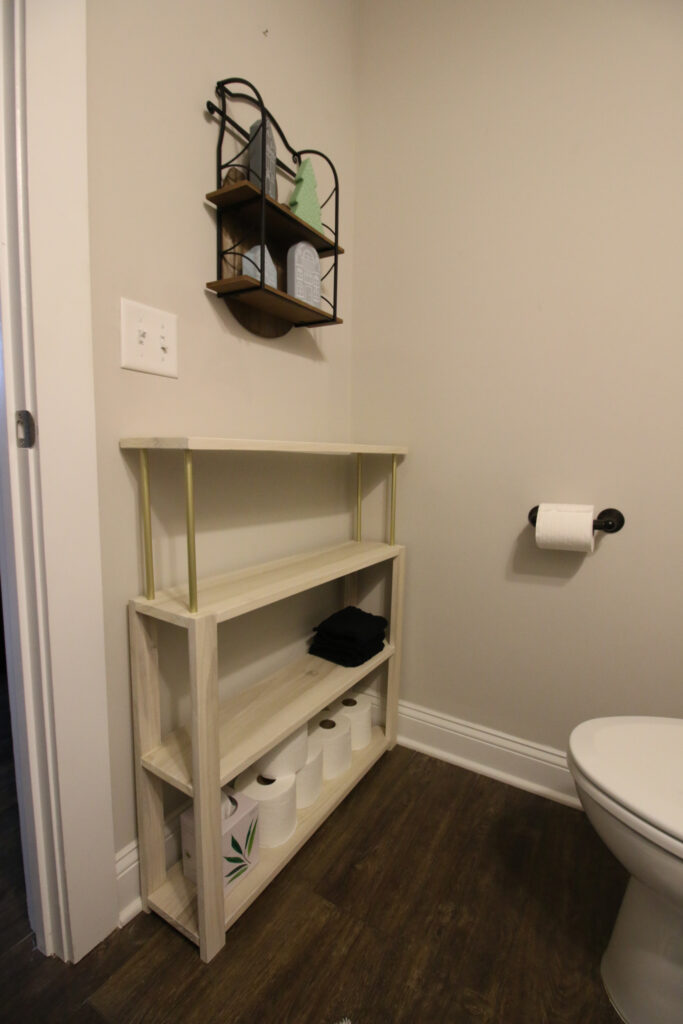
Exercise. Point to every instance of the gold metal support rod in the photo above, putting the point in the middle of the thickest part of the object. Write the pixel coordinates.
(359, 495)
(191, 551)
(392, 528)
(146, 525)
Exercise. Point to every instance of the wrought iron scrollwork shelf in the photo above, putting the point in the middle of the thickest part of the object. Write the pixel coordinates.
(244, 208)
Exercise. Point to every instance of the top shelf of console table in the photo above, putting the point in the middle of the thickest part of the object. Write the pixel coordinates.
(188, 445)
(226, 444)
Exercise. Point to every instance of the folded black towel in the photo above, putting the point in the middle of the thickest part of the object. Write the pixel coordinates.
(347, 655)
(352, 625)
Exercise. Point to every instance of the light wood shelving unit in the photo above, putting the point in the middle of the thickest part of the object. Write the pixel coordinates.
(221, 740)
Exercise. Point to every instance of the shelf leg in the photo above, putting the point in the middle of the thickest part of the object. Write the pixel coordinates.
(147, 736)
(202, 637)
(359, 496)
(392, 520)
(351, 589)
(146, 525)
(395, 631)
(191, 550)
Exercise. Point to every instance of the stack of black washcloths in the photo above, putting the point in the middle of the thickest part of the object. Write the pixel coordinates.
(349, 637)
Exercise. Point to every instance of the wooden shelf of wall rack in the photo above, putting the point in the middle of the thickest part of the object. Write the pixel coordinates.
(282, 226)
(248, 291)
(222, 740)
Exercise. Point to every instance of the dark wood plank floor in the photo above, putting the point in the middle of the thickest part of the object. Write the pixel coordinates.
(431, 896)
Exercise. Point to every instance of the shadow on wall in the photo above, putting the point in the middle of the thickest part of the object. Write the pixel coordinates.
(552, 567)
(300, 341)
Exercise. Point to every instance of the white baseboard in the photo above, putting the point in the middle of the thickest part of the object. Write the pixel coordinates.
(128, 871)
(530, 766)
(128, 882)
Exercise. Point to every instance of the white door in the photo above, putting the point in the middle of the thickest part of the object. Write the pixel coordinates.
(50, 566)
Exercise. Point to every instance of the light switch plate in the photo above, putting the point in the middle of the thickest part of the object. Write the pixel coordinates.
(149, 339)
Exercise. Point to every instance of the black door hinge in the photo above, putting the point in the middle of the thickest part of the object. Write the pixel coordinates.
(26, 429)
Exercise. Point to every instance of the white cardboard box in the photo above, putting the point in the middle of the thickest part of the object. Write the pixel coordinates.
(240, 841)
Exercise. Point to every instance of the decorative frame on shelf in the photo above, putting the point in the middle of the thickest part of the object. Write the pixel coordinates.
(249, 219)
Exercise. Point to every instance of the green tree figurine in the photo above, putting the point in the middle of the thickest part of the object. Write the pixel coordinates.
(304, 199)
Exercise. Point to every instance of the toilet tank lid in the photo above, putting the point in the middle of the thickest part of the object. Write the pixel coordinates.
(638, 762)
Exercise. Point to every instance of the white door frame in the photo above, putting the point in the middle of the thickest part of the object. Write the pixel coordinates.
(50, 559)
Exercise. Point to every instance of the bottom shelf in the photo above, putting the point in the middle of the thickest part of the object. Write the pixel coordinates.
(176, 899)
(248, 291)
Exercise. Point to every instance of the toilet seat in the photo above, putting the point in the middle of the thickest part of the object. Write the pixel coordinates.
(635, 767)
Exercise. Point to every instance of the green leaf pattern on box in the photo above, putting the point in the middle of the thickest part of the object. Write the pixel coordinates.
(242, 862)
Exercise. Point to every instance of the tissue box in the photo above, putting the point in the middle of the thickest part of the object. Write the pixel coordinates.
(239, 841)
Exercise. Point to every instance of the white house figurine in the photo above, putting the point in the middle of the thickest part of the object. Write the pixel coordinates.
(303, 273)
(251, 265)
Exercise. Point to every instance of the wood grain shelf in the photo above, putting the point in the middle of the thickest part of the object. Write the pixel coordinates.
(282, 226)
(271, 300)
(176, 899)
(243, 444)
(235, 593)
(252, 722)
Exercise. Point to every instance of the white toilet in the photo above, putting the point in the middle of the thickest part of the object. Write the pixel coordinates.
(629, 776)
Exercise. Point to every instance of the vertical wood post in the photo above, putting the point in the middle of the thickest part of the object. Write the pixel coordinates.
(202, 642)
(395, 631)
(191, 547)
(359, 496)
(147, 736)
(146, 524)
(392, 518)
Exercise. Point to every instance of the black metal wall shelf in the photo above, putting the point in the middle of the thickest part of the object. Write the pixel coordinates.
(247, 216)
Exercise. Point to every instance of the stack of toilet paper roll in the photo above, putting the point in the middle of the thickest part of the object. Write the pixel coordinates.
(271, 781)
(290, 776)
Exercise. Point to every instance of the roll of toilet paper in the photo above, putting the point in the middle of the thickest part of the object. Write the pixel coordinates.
(287, 757)
(357, 707)
(565, 527)
(309, 779)
(333, 732)
(228, 803)
(277, 804)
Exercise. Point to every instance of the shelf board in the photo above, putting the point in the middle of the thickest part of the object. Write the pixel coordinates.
(176, 901)
(244, 590)
(272, 300)
(241, 444)
(252, 722)
(282, 226)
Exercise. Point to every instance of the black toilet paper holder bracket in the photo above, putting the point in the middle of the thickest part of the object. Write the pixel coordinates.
(610, 520)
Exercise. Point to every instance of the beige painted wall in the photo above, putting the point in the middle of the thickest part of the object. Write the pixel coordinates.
(151, 69)
(513, 241)
(518, 311)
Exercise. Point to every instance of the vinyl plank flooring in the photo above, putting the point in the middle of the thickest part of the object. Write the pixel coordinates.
(431, 896)
(14, 924)
(45, 989)
(85, 1014)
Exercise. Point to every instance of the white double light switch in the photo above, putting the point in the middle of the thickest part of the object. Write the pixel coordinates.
(149, 339)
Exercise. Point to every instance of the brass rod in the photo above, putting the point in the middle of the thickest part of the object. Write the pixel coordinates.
(146, 525)
(359, 495)
(392, 528)
(191, 551)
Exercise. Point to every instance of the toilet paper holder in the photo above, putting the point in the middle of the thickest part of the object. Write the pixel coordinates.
(610, 520)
